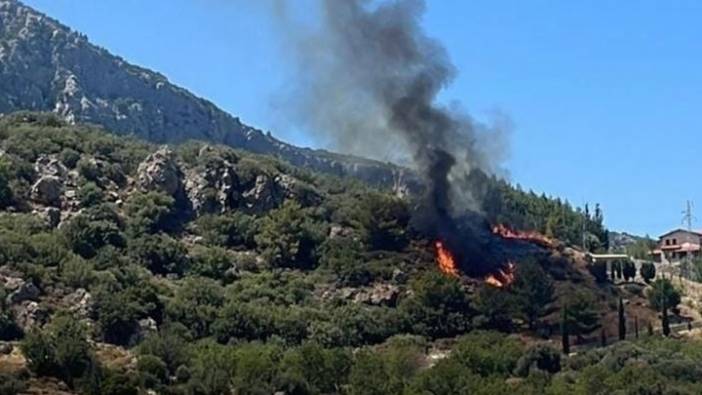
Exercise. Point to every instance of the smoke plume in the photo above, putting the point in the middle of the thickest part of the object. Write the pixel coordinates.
(367, 80)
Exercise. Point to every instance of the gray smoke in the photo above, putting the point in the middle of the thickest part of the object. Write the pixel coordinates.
(366, 83)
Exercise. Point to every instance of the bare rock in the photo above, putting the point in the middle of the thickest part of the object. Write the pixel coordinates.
(50, 215)
(212, 187)
(29, 314)
(49, 165)
(48, 190)
(160, 172)
(80, 302)
(263, 196)
(6, 348)
(378, 295)
(26, 291)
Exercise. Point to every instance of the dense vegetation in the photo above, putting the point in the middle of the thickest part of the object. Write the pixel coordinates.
(328, 290)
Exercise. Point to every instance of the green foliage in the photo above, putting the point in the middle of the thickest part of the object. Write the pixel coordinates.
(90, 194)
(533, 290)
(648, 271)
(663, 293)
(210, 262)
(93, 229)
(150, 213)
(61, 351)
(628, 270)
(159, 253)
(598, 269)
(438, 306)
(505, 204)
(227, 230)
(581, 317)
(288, 237)
(384, 220)
(196, 304)
(494, 307)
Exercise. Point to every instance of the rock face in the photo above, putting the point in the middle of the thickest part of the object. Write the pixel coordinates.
(160, 172)
(44, 66)
(48, 190)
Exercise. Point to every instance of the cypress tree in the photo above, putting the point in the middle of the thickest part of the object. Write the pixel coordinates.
(664, 320)
(565, 339)
(622, 321)
(650, 329)
(603, 338)
(636, 326)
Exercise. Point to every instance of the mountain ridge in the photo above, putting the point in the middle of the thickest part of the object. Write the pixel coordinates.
(46, 66)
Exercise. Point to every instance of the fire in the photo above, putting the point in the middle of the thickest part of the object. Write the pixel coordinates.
(534, 237)
(445, 259)
(503, 277)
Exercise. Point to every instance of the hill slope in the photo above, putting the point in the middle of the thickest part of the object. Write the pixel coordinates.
(44, 66)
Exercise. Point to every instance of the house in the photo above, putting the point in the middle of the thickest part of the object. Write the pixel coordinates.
(677, 245)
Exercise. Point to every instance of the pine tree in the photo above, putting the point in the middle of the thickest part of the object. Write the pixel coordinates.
(564, 331)
(622, 320)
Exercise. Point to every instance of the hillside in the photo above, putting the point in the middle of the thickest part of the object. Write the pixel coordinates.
(202, 269)
(45, 66)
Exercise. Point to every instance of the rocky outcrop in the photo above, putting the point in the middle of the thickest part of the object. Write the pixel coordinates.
(213, 186)
(18, 290)
(160, 172)
(48, 190)
(44, 66)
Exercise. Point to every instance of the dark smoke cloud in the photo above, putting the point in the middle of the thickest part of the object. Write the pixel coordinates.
(366, 83)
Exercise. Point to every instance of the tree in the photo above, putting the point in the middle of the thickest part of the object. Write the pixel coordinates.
(622, 320)
(648, 271)
(581, 317)
(664, 318)
(438, 306)
(159, 253)
(288, 237)
(495, 306)
(533, 290)
(565, 337)
(385, 219)
(663, 294)
(628, 270)
(598, 269)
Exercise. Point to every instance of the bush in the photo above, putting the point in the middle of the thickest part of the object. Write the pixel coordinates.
(153, 369)
(210, 262)
(160, 254)
(86, 233)
(61, 351)
(438, 306)
(541, 358)
(229, 230)
(90, 194)
(288, 238)
(150, 213)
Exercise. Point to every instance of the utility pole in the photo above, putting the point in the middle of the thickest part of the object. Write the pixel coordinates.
(688, 217)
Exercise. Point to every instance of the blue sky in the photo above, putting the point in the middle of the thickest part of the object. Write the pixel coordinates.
(604, 95)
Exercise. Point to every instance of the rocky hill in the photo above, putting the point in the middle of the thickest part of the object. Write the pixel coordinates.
(45, 66)
(127, 266)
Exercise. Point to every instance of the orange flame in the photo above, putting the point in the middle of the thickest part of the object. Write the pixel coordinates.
(503, 277)
(445, 259)
(531, 236)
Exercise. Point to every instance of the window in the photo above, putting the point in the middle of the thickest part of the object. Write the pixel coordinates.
(667, 242)
(675, 241)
